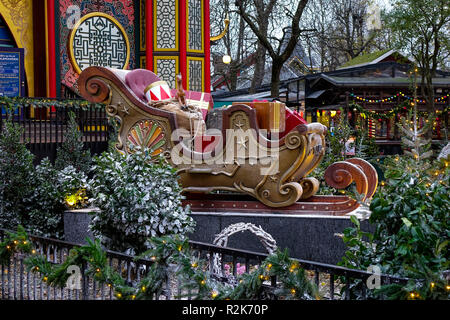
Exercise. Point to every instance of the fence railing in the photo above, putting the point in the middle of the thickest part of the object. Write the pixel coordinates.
(19, 284)
(44, 124)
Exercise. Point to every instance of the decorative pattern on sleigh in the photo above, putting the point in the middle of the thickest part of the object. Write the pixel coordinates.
(235, 155)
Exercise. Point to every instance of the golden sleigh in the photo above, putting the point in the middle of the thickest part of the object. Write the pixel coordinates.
(243, 159)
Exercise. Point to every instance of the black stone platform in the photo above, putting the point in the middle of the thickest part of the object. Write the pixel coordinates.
(76, 225)
(308, 237)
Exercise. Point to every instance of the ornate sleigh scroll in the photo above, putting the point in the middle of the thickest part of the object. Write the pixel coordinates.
(341, 174)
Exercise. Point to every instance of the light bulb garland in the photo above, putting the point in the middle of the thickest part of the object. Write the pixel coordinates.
(293, 279)
(386, 115)
(289, 274)
(394, 98)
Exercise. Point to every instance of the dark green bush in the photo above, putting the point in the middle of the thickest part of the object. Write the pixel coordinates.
(411, 214)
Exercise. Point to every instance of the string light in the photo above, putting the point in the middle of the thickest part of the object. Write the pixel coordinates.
(293, 291)
(293, 267)
(391, 98)
(214, 294)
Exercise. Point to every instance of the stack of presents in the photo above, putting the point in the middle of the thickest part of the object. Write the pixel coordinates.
(192, 108)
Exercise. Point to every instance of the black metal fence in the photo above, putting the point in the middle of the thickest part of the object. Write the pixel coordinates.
(18, 284)
(44, 125)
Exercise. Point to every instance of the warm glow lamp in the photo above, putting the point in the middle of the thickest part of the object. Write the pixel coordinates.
(226, 59)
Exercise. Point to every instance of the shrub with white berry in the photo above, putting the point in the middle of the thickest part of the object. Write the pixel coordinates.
(139, 197)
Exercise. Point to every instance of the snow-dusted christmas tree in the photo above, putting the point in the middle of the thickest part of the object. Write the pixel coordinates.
(415, 143)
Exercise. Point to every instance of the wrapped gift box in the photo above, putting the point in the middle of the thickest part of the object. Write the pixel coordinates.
(270, 115)
(202, 100)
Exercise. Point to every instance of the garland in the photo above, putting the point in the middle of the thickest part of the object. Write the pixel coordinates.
(14, 242)
(389, 114)
(15, 102)
(391, 98)
(167, 251)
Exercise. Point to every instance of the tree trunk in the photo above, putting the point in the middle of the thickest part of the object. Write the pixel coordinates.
(260, 65)
(233, 77)
(275, 81)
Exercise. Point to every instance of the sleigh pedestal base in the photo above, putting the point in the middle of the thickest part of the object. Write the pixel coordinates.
(307, 237)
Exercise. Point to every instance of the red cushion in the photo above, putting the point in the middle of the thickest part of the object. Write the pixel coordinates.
(138, 79)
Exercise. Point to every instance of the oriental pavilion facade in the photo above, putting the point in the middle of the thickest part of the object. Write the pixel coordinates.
(59, 39)
(376, 93)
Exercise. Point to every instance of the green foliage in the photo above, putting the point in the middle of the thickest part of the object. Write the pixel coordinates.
(45, 203)
(167, 252)
(420, 27)
(365, 146)
(335, 150)
(75, 104)
(414, 143)
(13, 242)
(71, 152)
(410, 213)
(32, 196)
(113, 127)
(139, 198)
(70, 181)
(16, 166)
